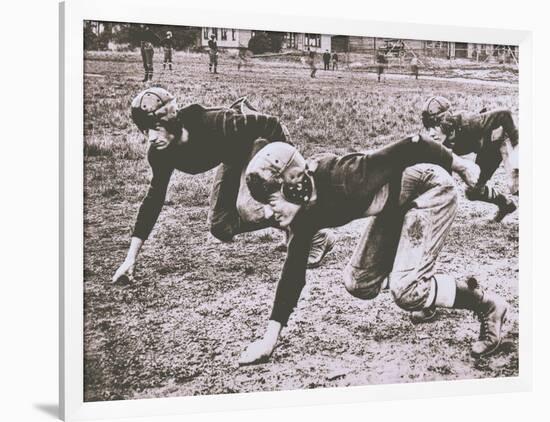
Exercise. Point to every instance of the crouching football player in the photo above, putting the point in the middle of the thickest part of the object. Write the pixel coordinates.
(407, 190)
(465, 133)
(195, 139)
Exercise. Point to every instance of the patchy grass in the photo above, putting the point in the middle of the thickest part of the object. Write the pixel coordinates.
(196, 304)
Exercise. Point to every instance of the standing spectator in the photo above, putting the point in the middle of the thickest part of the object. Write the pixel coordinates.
(335, 61)
(147, 40)
(414, 67)
(168, 44)
(326, 60)
(213, 54)
(311, 63)
(243, 57)
(381, 62)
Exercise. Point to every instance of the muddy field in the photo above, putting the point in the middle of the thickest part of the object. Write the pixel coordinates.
(196, 304)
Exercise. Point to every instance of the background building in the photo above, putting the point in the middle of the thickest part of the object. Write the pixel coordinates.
(239, 38)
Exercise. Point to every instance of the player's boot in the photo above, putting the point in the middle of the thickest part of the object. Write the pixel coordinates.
(492, 317)
(492, 196)
(507, 207)
(323, 242)
(424, 315)
(490, 310)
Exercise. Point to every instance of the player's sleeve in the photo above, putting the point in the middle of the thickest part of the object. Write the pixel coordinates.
(152, 203)
(293, 276)
(405, 153)
(501, 118)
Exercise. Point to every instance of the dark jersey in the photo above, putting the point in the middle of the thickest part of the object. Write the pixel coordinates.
(475, 130)
(381, 59)
(168, 43)
(146, 36)
(215, 136)
(212, 45)
(346, 187)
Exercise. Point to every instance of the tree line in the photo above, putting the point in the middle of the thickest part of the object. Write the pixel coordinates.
(98, 35)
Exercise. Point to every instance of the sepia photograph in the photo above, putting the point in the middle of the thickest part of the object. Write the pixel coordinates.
(272, 211)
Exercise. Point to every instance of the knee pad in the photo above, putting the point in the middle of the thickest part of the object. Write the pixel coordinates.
(360, 285)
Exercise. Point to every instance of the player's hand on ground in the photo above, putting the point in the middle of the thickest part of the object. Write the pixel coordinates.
(260, 350)
(257, 352)
(125, 273)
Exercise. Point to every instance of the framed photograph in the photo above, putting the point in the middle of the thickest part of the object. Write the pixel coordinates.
(274, 210)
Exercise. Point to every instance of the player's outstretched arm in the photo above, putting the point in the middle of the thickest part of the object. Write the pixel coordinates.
(260, 350)
(289, 288)
(125, 273)
(147, 216)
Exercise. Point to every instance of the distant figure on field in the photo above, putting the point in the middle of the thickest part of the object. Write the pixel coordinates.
(243, 57)
(311, 63)
(326, 60)
(168, 45)
(381, 62)
(213, 54)
(335, 61)
(414, 67)
(147, 40)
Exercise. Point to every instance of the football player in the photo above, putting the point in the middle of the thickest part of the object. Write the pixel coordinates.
(411, 208)
(195, 139)
(465, 133)
(147, 40)
(213, 54)
(168, 46)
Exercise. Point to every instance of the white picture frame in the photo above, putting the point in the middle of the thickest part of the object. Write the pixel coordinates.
(73, 13)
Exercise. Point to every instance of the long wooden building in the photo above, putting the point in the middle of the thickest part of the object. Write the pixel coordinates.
(239, 38)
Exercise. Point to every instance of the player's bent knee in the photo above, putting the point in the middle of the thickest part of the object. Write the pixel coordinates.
(405, 292)
(250, 211)
(360, 285)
